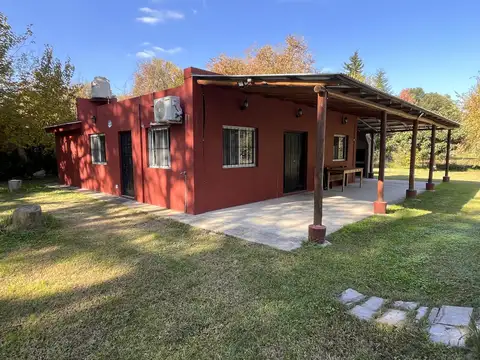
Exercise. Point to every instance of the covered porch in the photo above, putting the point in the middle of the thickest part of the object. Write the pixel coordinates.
(377, 114)
(283, 222)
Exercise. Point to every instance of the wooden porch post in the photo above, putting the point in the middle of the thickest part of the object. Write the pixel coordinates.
(446, 178)
(371, 175)
(316, 231)
(430, 185)
(380, 206)
(411, 192)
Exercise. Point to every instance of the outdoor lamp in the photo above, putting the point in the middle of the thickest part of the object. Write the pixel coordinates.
(299, 113)
(244, 104)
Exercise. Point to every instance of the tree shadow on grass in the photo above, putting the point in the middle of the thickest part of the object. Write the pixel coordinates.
(187, 293)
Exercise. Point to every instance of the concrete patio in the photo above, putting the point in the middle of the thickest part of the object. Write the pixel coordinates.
(283, 222)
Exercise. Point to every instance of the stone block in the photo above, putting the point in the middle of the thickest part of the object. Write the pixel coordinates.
(421, 312)
(448, 335)
(362, 312)
(351, 296)
(405, 305)
(433, 315)
(27, 216)
(454, 315)
(393, 317)
(14, 185)
(374, 303)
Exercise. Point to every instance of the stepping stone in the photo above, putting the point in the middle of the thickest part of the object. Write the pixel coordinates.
(421, 312)
(374, 303)
(448, 335)
(362, 312)
(433, 315)
(405, 305)
(454, 316)
(367, 310)
(351, 296)
(393, 317)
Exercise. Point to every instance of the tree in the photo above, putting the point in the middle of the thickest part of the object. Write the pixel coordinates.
(34, 92)
(399, 143)
(380, 81)
(292, 57)
(156, 75)
(471, 118)
(354, 67)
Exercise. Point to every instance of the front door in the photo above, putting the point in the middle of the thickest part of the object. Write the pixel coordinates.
(295, 167)
(126, 163)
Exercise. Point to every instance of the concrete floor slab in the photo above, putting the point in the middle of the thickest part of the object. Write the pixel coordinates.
(283, 222)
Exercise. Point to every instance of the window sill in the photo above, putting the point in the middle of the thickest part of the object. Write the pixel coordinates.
(99, 163)
(238, 166)
(339, 160)
(160, 167)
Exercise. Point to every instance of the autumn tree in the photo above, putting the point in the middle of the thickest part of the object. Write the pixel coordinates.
(292, 57)
(354, 67)
(399, 143)
(471, 118)
(156, 75)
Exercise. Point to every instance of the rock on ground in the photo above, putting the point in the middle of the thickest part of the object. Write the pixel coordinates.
(351, 296)
(27, 216)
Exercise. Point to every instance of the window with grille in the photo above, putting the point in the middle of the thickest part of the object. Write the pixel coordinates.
(239, 146)
(340, 143)
(159, 148)
(97, 148)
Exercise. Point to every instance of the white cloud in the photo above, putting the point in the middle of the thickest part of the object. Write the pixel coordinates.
(158, 16)
(171, 51)
(145, 43)
(145, 54)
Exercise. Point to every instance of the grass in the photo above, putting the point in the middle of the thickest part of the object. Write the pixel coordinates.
(103, 281)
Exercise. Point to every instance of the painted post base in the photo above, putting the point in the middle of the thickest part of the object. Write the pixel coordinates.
(411, 194)
(446, 179)
(371, 175)
(379, 207)
(430, 186)
(316, 233)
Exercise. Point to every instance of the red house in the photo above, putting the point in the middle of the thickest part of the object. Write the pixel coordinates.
(242, 139)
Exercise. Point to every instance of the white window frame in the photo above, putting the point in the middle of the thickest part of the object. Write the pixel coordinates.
(345, 142)
(93, 136)
(254, 131)
(150, 147)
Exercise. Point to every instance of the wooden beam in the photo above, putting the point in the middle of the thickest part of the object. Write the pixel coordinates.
(371, 175)
(380, 205)
(259, 83)
(430, 185)
(446, 178)
(316, 231)
(411, 192)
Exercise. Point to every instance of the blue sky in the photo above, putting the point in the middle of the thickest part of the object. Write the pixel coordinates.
(428, 43)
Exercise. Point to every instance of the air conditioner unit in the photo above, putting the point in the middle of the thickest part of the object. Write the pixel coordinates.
(167, 110)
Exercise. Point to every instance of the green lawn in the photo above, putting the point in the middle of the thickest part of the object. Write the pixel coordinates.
(103, 281)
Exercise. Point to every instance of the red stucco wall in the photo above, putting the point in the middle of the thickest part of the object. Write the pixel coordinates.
(163, 187)
(196, 148)
(217, 187)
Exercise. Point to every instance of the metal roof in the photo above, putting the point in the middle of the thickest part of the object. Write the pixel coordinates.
(345, 94)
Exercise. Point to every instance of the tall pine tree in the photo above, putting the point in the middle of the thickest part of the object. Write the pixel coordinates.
(380, 81)
(354, 67)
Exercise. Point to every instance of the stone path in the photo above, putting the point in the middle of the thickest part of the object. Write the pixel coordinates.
(446, 325)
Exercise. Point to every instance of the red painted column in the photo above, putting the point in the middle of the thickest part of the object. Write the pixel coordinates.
(446, 178)
(411, 192)
(430, 185)
(317, 231)
(380, 206)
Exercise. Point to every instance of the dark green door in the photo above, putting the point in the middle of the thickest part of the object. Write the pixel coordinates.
(295, 161)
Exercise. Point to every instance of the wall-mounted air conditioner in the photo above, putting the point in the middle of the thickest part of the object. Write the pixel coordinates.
(167, 110)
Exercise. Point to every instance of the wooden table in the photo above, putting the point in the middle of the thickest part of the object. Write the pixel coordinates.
(331, 172)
